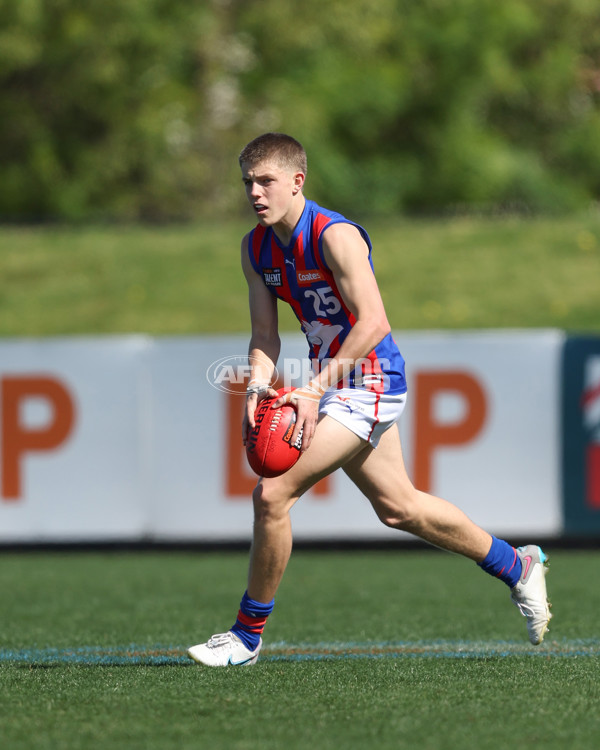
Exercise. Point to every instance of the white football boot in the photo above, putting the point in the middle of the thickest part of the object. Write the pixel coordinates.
(529, 595)
(223, 650)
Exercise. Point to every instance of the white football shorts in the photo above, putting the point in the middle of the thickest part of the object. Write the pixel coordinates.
(365, 413)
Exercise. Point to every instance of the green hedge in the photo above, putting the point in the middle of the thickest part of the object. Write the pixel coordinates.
(136, 109)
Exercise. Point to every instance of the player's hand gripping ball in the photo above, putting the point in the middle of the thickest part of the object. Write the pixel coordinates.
(269, 446)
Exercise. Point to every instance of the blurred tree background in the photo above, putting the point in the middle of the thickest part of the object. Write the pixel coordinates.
(136, 109)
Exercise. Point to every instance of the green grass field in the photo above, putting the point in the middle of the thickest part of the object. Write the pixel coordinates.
(365, 649)
(463, 272)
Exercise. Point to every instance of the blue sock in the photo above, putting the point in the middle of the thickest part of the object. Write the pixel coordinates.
(503, 562)
(251, 620)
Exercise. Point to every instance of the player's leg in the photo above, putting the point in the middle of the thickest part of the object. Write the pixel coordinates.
(332, 446)
(381, 475)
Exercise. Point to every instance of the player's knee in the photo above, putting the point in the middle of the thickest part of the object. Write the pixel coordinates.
(268, 501)
(399, 514)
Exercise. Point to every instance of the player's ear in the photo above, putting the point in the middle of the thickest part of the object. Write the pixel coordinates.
(299, 178)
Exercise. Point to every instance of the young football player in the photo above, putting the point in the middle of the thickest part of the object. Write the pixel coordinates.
(319, 262)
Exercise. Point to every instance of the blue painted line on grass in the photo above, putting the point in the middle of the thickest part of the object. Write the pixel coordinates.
(431, 649)
(162, 655)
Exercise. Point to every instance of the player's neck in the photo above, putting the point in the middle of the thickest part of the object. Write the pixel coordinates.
(284, 229)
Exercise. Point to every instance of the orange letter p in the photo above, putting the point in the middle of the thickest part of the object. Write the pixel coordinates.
(430, 434)
(17, 439)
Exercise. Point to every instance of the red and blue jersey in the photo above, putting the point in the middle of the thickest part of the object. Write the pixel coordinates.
(299, 275)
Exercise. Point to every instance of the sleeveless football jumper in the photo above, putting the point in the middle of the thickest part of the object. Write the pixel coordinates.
(299, 275)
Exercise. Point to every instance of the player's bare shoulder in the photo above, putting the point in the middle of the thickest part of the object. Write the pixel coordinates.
(342, 244)
(247, 267)
(245, 244)
(342, 231)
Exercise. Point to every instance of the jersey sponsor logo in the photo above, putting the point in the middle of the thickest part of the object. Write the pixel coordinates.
(309, 277)
(272, 276)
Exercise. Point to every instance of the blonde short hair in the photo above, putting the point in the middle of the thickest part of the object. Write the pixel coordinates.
(282, 148)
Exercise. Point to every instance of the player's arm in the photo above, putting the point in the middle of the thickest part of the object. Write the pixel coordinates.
(264, 347)
(347, 255)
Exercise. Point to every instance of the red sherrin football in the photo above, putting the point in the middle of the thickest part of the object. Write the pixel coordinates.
(269, 448)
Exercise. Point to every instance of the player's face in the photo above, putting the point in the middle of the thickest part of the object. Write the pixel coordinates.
(271, 191)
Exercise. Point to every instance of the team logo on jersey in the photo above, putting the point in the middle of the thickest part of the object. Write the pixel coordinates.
(307, 277)
(272, 276)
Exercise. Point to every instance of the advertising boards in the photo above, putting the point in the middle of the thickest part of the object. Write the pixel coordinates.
(138, 438)
(581, 436)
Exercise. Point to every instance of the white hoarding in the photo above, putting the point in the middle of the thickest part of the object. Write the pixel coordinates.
(72, 463)
(125, 438)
